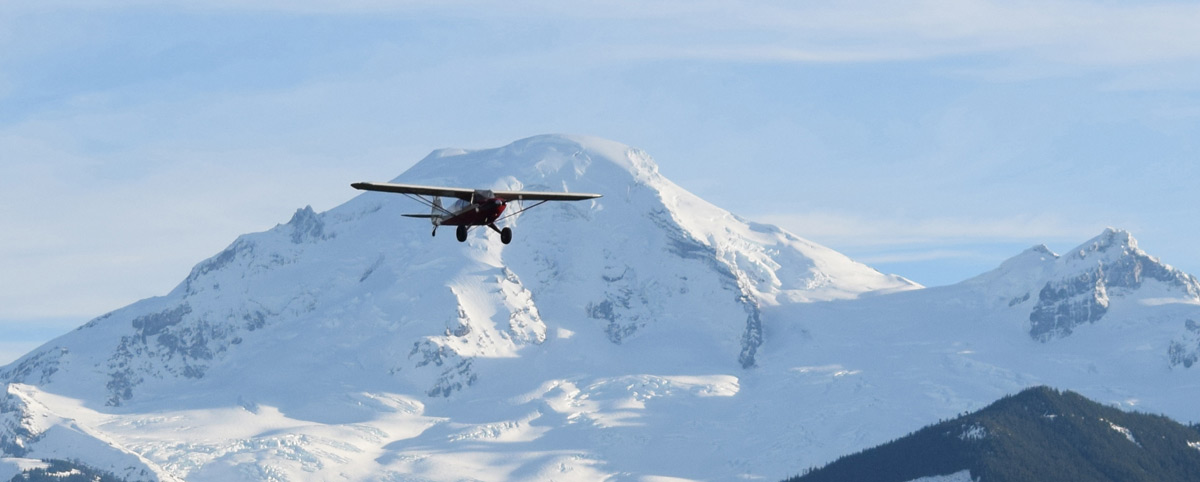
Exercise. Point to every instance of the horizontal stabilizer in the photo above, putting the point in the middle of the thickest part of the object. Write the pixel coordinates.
(422, 216)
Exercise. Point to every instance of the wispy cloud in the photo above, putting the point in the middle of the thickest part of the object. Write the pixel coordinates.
(1071, 31)
(1141, 44)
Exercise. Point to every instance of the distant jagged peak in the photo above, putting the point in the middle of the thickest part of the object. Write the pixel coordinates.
(1077, 289)
(1040, 250)
(1111, 243)
(1082, 280)
(1116, 259)
(307, 226)
(1113, 250)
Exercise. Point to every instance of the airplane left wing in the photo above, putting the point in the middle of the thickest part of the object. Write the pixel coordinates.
(415, 189)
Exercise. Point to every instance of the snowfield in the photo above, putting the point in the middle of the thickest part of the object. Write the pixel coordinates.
(645, 335)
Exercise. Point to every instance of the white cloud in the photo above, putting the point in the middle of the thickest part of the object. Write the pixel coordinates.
(1070, 31)
(1018, 39)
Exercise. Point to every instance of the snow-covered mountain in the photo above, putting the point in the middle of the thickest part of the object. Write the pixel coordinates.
(646, 333)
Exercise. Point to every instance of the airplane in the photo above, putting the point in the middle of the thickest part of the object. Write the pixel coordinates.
(474, 207)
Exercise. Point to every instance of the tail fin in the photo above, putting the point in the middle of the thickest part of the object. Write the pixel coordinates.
(437, 212)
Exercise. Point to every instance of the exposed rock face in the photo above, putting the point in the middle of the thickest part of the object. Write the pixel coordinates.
(17, 425)
(307, 226)
(1069, 303)
(1185, 349)
(1109, 266)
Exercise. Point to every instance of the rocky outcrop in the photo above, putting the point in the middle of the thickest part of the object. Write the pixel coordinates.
(307, 226)
(17, 426)
(1066, 304)
(1185, 348)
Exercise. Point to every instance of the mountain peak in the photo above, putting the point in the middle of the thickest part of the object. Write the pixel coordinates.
(1062, 293)
(551, 161)
(1108, 266)
(1111, 242)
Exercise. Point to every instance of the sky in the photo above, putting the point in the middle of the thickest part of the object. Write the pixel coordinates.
(931, 139)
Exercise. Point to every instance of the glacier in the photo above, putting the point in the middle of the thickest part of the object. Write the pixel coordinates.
(644, 335)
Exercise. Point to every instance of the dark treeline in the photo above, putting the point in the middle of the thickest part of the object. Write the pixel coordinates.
(65, 471)
(1040, 434)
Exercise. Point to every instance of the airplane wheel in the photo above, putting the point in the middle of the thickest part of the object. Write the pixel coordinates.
(506, 235)
(462, 233)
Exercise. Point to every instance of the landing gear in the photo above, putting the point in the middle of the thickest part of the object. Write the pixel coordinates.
(505, 234)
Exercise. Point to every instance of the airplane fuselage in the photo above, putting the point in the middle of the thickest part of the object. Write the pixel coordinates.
(479, 213)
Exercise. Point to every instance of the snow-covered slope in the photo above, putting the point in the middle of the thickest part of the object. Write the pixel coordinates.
(875, 364)
(346, 325)
(646, 333)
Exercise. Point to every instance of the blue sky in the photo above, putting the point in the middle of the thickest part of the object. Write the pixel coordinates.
(929, 139)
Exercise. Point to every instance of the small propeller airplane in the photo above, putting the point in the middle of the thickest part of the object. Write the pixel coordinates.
(474, 207)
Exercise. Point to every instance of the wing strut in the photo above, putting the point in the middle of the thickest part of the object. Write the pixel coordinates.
(521, 210)
(432, 206)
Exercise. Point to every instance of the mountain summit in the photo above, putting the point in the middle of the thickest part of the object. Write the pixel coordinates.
(643, 334)
(1062, 293)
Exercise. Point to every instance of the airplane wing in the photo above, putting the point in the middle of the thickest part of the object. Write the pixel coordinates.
(415, 189)
(543, 196)
(466, 194)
